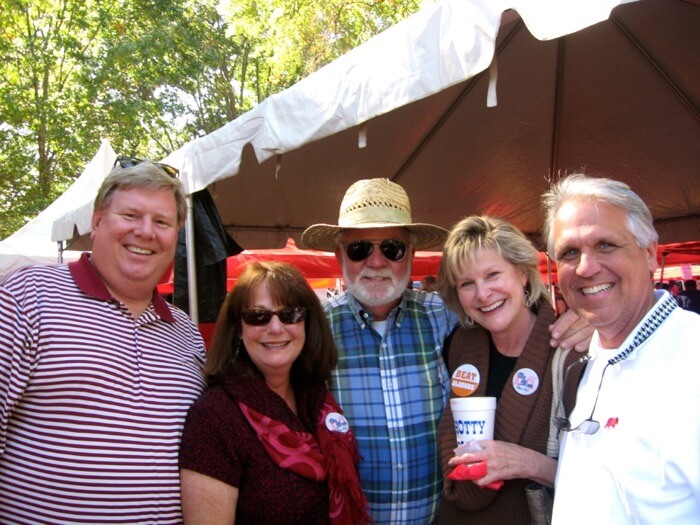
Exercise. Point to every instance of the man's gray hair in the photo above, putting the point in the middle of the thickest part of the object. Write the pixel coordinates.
(581, 187)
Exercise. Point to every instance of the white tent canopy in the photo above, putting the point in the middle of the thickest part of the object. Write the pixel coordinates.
(76, 222)
(613, 92)
(442, 45)
(411, 105)
(414, 104)
(33, 243)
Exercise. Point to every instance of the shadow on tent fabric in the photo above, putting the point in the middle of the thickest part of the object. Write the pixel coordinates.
(213, 245)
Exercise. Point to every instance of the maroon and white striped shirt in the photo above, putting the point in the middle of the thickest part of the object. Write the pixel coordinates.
(92, 401)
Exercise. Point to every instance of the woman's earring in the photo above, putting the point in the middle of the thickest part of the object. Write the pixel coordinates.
(237, 349)
(527, 301)
(468, 321)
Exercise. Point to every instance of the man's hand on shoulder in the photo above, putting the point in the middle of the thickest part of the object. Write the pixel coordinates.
(570, 331)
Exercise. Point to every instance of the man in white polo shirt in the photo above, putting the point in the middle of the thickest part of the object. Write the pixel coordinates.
(631, 447)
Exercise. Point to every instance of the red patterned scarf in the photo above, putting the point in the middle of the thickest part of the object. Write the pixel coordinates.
(329, 455)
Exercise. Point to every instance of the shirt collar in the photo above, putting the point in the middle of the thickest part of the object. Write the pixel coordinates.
(663, 306)
(363, 317)
(88, 280)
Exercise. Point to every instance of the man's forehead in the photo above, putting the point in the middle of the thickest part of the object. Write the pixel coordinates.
(145, 192)
(584, 218)
(584, 210)
(138, 198)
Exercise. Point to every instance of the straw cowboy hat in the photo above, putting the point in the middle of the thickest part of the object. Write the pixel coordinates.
(373, 203)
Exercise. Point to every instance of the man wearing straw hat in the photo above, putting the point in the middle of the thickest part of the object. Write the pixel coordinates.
(391, 380)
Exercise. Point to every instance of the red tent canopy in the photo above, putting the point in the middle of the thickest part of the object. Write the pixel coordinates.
(312, 263)
(680, 252)
(316, 265)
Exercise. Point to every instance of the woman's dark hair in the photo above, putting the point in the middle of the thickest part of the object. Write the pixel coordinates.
(288, 288)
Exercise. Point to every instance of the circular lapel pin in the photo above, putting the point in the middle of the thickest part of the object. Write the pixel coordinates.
(526, 381)
(465, 380)
(336, 422)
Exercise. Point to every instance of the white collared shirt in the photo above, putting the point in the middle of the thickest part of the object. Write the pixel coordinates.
(643, 465)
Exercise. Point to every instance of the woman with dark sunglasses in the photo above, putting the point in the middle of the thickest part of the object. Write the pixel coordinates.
(267, 443)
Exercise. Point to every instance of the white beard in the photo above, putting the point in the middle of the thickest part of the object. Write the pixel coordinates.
(378, 293)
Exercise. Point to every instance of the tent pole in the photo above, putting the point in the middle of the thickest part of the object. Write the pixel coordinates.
(191, 262)
(663, 266)
(552, 291)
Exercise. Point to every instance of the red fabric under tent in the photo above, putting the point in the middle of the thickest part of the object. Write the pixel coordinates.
(322, 269)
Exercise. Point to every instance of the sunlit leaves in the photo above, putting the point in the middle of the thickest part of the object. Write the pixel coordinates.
(149, 75)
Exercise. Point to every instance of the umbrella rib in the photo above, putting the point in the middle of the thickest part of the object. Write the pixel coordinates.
(556, 113)
(435, 128)
(685, 100)
(470, 83)
(671, 220)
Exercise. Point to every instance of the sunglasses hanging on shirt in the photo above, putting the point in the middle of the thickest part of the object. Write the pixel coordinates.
(589, 425)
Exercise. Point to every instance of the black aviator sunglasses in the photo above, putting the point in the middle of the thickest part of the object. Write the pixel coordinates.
(128, 162)
(392, 249)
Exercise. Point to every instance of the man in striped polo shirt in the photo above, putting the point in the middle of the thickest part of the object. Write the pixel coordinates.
(97, 371)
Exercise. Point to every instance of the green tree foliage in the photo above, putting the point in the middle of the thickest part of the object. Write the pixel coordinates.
(41, 144)
(149, 75)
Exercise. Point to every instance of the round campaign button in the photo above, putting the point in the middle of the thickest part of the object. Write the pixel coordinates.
(465, 380)
(336, 422)
(526, 381)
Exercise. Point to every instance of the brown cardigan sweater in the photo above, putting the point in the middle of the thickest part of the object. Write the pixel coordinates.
(519, 419)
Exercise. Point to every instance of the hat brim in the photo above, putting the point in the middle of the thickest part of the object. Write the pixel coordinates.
(323, 236)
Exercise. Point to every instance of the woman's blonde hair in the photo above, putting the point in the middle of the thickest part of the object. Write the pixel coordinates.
(474, 233)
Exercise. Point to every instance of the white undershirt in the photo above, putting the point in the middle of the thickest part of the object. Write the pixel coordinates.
(380, 326)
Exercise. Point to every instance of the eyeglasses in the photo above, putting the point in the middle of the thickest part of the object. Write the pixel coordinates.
(129, 162)
(588, 425)
(261, 317)
(392, 249)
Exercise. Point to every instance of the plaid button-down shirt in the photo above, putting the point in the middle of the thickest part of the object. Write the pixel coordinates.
(393, 389)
